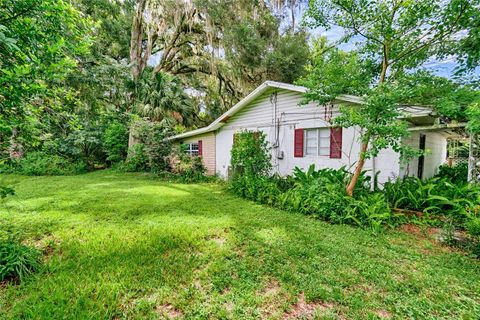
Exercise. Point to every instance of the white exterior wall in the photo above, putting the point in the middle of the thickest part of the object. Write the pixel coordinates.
(436, 154)
(260, 115)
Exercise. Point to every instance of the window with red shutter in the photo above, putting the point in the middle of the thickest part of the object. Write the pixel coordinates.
(336, 143)
(298, 143)
(200, 148)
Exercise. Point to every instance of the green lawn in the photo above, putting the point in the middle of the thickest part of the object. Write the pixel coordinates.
(128, 246)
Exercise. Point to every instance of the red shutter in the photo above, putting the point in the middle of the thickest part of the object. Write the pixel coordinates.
(336, 143)
(298, 143)
(200, 148)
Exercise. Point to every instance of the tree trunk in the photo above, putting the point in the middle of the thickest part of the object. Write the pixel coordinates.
(136, 40)
(136, 50)
(358, 170)
(364, 147)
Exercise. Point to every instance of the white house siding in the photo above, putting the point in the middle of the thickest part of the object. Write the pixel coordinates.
(260, 115)
(208, 150)
(436, 154)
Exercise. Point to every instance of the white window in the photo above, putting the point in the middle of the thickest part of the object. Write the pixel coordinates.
(192, 149)
(317, 142)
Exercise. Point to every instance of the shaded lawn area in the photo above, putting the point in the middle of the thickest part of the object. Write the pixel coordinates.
(129, 246)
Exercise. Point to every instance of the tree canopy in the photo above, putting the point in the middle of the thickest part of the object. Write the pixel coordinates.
(396, 39)
(74, 75)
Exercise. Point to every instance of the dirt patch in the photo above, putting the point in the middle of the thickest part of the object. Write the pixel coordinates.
(302, 309)
(421, 232)
(48, 245)
(217, 239)
(168, 310)
(272, 288)
(383, 314)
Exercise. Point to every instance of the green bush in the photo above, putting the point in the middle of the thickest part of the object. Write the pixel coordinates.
(457, 174)
(190, 169)
(137, 160)
(250, 154)
(40, 163)
(319, 193)
(473, 229)
(6, 191)
(17, 260)
(155, 151)
(115, 142)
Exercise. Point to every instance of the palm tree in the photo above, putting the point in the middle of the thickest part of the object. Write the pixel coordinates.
(162, 97)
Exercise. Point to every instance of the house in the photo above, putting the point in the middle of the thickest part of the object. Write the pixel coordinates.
(301, 135)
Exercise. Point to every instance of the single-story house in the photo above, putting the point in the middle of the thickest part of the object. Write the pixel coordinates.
(301, 135)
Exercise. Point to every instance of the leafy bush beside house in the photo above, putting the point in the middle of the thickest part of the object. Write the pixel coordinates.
(456, 174)
(154, 153)
(321, 193)
(250, 154)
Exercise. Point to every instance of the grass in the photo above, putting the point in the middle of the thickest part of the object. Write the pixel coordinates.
(127, 246)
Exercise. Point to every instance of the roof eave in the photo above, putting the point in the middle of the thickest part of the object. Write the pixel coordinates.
(219, 122)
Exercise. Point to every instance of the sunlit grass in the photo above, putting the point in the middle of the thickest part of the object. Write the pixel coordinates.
(128, 246)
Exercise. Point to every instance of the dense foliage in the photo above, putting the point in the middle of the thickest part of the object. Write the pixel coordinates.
(395, 40)
(435, 196)
(75, 75)
(457, 174)
(250, 154)
(322, 194)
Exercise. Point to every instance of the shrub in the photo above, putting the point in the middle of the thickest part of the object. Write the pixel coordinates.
(473, 229)
(250, 154)
(40, 163)
(155, 147)
(137, 159)
(319, 193)
(85, 144)
(115, 142)
(6, 191)
(190, 169)
(457, 174)
(17, 260)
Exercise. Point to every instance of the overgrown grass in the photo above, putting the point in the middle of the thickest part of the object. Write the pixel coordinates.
(128, 246)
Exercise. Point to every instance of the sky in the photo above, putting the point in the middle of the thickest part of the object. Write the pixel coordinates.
(444, 67)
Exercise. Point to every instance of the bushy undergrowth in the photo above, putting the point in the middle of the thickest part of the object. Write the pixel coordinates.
(43, 164)
(473, 229)
(435, 196)
(16, 260)
(190, 169)
(454, 174)
(321, 193)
